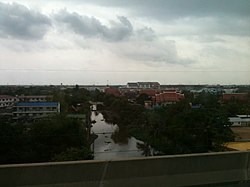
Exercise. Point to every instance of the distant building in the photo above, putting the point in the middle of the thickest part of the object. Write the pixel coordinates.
(34, 98)
(143, 85)
(154, 85)
(168, 97)
(7, 101)
(149, 92)
(237, 96)
(240, 120)
(112, 91)
(230, 90)
(36, 109)
(132, 85)
(195, 106)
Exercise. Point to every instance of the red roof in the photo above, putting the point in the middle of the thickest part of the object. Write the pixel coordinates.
(113, 91)
(149, 92)
(168, 97)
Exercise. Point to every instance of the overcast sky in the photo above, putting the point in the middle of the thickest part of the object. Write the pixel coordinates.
(117, 41)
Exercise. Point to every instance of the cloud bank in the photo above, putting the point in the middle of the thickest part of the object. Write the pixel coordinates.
(172, 35)
(17, 21)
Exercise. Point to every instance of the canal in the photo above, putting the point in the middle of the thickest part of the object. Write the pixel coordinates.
(112, 142)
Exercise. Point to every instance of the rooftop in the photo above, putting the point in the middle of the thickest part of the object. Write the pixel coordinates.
(6, 97)
(36, 104)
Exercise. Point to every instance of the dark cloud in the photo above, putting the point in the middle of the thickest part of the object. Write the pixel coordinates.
(92, 27)
(229, 17)
(17, 21)
(173, 9)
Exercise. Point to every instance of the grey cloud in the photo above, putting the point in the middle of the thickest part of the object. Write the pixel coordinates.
(17, 21)
(150, 52)
(146, 33)
(232, 17)
(172, 9)
(210, 26)
(92, 27)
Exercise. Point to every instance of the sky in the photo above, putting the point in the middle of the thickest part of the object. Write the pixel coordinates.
(115, 41)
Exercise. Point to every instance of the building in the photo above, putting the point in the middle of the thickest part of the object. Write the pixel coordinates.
(154, 85)
(7, 101)
(237, 96)
(149, 92)
(36, 109)
(34, 98)
(240, 120)
(132, 85)
(113, 91)
(168, 97)
(143, 85)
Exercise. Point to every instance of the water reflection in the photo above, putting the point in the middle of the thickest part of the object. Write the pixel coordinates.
(112, 142)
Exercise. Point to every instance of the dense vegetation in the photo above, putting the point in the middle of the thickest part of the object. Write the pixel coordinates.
(173, 129)
(56, 138)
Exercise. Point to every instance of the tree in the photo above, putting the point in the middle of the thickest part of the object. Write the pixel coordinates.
(43, 141)
(142, 98)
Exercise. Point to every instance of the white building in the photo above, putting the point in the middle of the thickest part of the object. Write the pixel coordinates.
(7, 101)
(143, 85)
(240, 120)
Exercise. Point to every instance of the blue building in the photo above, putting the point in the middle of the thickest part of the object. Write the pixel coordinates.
(36, 109)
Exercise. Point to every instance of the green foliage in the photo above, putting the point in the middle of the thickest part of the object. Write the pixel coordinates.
(174, 129)
(72, 154)
(179, 129)
(142, 98)
(42, 140)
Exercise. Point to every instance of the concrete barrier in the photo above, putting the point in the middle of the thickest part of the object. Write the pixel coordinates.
(176, 170)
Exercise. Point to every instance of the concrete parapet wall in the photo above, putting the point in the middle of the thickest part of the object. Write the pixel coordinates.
(176, 170)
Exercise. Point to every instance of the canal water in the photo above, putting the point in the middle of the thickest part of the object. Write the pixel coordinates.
(112, 142)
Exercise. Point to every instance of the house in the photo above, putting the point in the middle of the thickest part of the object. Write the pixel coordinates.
(7, 101)
(237, 96)
(132, 85)
(112, 91)
(149, 92)
(168, 97)
(36, 109)
(240, 120)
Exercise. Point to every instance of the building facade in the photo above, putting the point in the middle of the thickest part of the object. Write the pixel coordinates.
(7, 101)
(38, 109)
(240, 120)
(34, 98)
(143, 85)
(237, 96)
